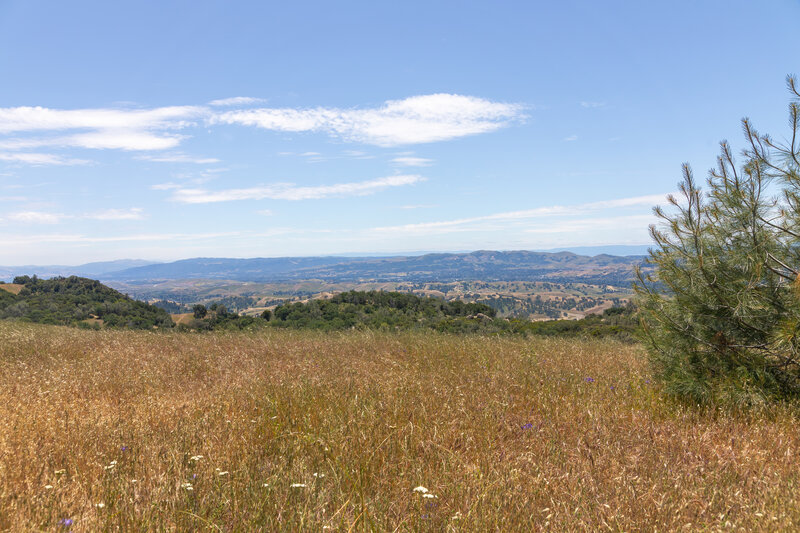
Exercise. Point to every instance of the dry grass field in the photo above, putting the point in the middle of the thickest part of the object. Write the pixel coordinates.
(288, 431)
(13, 288)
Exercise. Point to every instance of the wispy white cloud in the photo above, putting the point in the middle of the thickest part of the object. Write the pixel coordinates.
(418, 206)
(216, 237)
(35, 217)
(165, 186)
(235, 101)
(116, 139)
(134, 213)
(87, 239)
(593, 105)
(357, 154)
(44, 217)
(623, 222)
(289, 191)
(571, 138)
(25, 119)
(38, 159)
(180, 158)
(124, 129)
(407, 161)
(484, 222)
(418, 119)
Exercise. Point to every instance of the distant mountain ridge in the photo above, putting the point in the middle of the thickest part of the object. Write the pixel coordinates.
(88, 270)
(482, 265)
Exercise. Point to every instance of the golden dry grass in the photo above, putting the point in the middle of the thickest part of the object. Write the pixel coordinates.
(13, 288)
(182, 318)
(506, 433)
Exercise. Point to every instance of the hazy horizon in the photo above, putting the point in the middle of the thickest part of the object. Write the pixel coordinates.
(170, 131)
(619, 250)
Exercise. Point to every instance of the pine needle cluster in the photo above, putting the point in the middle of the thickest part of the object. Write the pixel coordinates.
(721, 309)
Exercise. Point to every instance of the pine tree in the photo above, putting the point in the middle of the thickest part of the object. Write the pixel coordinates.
(721, 301)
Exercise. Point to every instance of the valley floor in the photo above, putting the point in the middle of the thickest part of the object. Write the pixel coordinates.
(289, 430)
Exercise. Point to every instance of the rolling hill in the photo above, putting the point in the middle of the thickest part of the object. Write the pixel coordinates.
(439, 267)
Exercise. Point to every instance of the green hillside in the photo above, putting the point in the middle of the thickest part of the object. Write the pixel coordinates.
(78, 301)
(403, 311)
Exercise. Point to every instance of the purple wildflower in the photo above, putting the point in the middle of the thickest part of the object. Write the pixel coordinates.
(66, 522)
(527, 426)
(589, 380)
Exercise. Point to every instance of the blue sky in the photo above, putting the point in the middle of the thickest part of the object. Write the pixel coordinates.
(163, 130)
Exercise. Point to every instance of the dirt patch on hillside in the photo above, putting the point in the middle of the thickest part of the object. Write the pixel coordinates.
(13, 288)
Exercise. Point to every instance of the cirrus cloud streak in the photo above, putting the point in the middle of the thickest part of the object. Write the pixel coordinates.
(289, 191)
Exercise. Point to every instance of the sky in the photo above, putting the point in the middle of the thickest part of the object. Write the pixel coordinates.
(169, 130)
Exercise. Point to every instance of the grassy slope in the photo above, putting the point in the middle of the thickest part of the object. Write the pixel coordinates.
(506, 432)
(13, 288)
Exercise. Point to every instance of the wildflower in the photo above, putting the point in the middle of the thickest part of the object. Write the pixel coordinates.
(111, 465)
(265, 485)
(527, 426)
(429, 495)
(223, 473)
(133, 481)
(66, 522)
(420, 489)
(457, 516)
(100, 505)
(195, 458)
(48, 487)
(188, 486)
(320, 476)
(298, 485)
(124, 448)
(589, 380)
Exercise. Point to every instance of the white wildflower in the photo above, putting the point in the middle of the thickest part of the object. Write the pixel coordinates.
(48, 487)
(429, 495)
(298, 485)
(319, 475)
(420, 489)
(222, 473)
(188, 486)
(195, 458)
(100, 505)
